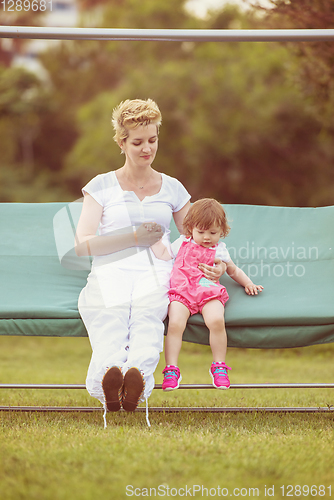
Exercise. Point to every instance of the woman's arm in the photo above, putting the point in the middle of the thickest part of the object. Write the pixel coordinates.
(240, 277)
(88, 243)
(213, 273)
(160, 251)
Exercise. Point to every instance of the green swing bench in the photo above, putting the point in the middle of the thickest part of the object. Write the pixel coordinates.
(290, 251)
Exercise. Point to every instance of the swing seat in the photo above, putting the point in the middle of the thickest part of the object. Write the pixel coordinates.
(287, 250)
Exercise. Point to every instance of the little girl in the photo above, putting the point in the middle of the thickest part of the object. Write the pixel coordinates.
(190, 292)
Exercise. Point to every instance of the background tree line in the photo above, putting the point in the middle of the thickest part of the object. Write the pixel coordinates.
(242, 122)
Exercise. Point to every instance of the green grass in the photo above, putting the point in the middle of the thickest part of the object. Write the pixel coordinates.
(69, 456)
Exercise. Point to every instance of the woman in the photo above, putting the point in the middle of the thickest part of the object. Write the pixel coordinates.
(125, 300)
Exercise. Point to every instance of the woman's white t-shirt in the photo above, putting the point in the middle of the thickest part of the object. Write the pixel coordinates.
(123, 209)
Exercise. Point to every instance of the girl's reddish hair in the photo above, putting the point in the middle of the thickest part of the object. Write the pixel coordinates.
(204, 214)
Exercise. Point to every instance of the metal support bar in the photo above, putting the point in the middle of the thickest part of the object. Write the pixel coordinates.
(167, 35)
(182, 386)
(173, 409)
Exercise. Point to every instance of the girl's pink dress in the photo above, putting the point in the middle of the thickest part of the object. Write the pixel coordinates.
(188, 284)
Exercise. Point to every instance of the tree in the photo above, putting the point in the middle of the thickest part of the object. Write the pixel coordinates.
(22, 99)
(24, 105)
(316, 71)
(313, 75)
(237, 123)
(233, 127)
(16, 17)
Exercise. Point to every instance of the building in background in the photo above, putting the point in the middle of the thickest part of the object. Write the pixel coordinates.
(59, 13)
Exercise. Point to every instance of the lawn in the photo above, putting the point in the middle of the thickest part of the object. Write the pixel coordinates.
(63, 456)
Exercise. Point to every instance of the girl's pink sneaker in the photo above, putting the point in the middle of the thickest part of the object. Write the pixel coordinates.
(218, 372)
(172, 378)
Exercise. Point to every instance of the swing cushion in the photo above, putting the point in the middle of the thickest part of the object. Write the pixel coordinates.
(287, 250)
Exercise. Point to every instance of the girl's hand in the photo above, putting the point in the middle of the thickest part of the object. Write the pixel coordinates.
(252, 289)
(213, 273)
(149, 233)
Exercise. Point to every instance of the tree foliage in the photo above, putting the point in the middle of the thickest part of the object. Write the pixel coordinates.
(315, 75)
(12, 14)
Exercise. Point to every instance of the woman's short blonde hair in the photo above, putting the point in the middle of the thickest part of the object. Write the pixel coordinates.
(204, 214)
(132, 113)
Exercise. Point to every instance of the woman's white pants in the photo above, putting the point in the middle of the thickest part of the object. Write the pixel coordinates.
(125, 325)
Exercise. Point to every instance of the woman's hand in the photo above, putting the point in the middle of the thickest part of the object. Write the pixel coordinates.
(213, 273)
(149, 233)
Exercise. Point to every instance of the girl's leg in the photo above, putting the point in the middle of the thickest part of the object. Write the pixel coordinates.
(213, 314)
(178, 315)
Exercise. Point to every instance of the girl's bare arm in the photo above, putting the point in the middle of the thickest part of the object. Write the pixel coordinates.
(240, 277)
